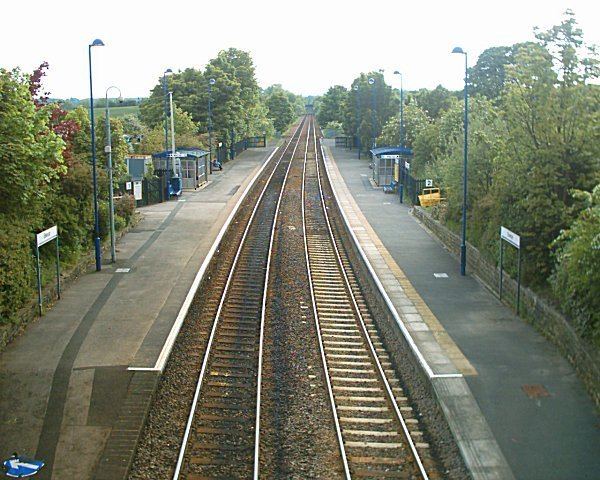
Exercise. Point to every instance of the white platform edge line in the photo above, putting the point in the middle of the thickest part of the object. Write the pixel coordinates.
(161, 361)
(381, 288)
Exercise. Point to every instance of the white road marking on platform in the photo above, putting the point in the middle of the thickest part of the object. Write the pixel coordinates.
(122, 270)
(440, 275)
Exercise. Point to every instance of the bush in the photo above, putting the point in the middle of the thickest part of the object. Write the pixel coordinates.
(577, 276)
(17, 272)
(125, 207)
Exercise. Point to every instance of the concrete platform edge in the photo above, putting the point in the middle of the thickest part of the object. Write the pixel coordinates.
(166, 351)
(119, 450)
(477, 444)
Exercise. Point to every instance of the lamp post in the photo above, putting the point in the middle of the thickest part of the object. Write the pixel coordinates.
(168, 71)
(96, 43)
(211, 82)
(463, 242)
(372, 82)
(174, 161)
(401, 108)
(108, 150)
(357, 119)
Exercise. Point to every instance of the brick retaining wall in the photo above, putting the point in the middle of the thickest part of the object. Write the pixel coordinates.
(545, 318)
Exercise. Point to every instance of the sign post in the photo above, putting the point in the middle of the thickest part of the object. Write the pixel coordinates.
(41, 239)
(515, 240)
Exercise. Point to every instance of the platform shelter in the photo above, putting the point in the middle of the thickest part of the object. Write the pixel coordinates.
(190, 163)
(387, 162)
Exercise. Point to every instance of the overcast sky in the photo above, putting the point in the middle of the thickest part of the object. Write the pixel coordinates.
(306, 46)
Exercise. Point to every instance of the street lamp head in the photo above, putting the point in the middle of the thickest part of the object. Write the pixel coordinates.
(355, 88)
(396, 72)
(212, 81)
(458, 50)
(381, 70)
(97, 43)
(371, 81)
(168, 71)
(120, 97)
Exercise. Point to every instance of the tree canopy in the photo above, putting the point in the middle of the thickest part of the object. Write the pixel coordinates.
(236, 100)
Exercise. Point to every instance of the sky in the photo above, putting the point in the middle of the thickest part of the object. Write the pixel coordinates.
(307, 46)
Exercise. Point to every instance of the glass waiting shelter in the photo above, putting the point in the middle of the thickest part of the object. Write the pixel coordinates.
(190, 163)
(386, 163)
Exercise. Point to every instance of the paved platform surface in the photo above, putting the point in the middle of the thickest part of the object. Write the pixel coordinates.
(64, 382)
(541, 437)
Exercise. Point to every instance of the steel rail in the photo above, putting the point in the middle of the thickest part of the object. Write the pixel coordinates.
(336, 421)
(380, 371)
(208, 351)
(262, 316)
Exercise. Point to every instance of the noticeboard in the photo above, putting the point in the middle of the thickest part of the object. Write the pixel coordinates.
(137, 190)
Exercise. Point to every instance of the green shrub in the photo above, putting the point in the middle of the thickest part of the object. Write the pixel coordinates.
(576, 281)
(17, 272)
(125, 207)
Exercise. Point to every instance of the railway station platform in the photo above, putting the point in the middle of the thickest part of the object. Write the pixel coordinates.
(481, 356)
(85, 371)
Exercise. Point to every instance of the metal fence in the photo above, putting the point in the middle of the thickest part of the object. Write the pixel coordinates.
(256, 142)
(412, 186)
(343, 142)
(154, 189)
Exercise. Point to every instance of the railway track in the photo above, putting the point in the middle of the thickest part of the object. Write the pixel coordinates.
(223, 427)
(376, 435)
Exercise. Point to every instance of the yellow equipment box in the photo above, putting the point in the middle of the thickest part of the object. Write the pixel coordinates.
(430, 196)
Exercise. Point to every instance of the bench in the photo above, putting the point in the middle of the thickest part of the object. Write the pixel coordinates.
(391, 188)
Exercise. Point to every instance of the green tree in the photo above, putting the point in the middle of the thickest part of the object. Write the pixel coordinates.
(119, 146)
(331, 105)
(281, 111)
(487, 76)
(433, 102)
(369, 105)
(30, 152)
(577, 276)
(235, 95)
(30, 160)
(186, 134)
(415, 121)
(550, 110)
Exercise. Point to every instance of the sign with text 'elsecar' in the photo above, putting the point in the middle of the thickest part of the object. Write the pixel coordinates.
(510, 237)
(45, 236)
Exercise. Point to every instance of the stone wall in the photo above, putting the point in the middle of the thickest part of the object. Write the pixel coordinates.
(545, 318)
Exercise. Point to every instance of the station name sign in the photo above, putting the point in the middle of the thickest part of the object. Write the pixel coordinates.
(390, 157)
(46, 236)
(510, 237)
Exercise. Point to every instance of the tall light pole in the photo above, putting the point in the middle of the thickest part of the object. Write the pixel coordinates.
(463, 241)
(358, 119)
(372, 82)
(211, 82)
(108, 150)
(168, 71)
(175, 165)
(401, 108)
(98, 253)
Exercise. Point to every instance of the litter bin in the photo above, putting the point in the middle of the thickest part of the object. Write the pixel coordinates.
(175, 186)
